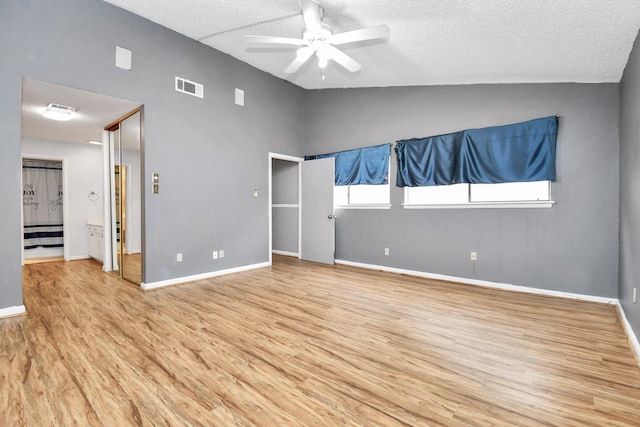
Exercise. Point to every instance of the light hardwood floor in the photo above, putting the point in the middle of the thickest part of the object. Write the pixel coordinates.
(301, 344)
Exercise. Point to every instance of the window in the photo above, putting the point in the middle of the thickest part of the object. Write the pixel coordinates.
(515, 164)
(361, 196)
(362, 177)
(512, 194)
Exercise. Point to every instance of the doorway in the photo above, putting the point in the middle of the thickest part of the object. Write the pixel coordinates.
(301, 211)
(284, 205)
(43, 207)
(76, 142)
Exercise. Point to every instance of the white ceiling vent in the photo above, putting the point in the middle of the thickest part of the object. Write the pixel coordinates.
(189, 87)
(59, 112)
(62, 108)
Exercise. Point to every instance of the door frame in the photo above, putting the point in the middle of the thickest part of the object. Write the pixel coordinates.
(65, 202)
(298, 160)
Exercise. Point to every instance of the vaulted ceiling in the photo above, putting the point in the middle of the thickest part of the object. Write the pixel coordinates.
(432, 42)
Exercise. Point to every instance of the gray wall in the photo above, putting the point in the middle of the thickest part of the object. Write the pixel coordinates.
(210, 153)
(285, 219)
(572, 247)
(630, 187)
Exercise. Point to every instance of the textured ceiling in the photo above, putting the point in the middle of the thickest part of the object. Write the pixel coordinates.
(433, 42)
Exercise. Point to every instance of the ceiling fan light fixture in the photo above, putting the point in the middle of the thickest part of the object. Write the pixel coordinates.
(318, 39)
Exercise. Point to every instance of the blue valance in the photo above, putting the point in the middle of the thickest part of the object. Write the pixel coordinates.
(368, 165)
(519, 152)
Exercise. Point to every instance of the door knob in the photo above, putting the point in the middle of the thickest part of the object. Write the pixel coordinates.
(332, 217)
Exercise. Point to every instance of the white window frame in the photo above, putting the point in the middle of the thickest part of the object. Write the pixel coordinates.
(469, 204)
(350, 205)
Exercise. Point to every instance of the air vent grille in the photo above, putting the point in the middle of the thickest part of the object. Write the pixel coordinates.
(62, 108)
(189, 87)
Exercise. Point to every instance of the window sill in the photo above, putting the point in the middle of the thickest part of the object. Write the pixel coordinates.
(492, 205)
(365, 206)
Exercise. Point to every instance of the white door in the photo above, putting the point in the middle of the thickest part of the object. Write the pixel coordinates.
(318, 226)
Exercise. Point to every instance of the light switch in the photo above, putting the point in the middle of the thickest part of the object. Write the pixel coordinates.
(255, 193)
(156, 188)
(155, 178)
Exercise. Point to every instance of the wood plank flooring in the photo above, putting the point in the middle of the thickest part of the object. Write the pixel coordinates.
(301, 344)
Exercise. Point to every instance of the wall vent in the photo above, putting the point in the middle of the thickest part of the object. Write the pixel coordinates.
(189, 87)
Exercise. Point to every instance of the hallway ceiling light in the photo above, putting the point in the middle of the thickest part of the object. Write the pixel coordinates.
(95, 142)
(59, 112)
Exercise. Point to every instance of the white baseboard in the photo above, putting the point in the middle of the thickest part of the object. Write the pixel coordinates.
(285, 253)
(78, 257)
(203, 276)
(487, 284)
(12, 311)
(631, 336)
(633, 339)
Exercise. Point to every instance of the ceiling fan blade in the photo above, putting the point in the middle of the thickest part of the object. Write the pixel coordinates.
(331, 52)
(312, 15)
(302, 56)
(369, 33)
(275, 40)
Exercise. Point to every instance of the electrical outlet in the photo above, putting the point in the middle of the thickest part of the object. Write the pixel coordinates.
(634, 295)
(179, 257)
(215, 254)
(221, 253)
(474, 256)
(386, 251)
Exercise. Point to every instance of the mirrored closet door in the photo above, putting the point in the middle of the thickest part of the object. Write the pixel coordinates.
(126, 197)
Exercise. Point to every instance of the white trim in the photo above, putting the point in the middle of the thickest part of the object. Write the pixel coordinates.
(492, 205)
(106, 206)
(300, 210)
(285, 253)
(270, 204)
(487, 284)
(79, 257)
(13, 311)
(203, 276)
(286, 157)
(631, 336)
(365, 206)
(285, 205)
(22, 215)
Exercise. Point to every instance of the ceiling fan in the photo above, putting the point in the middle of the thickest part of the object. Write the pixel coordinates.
(318, 39)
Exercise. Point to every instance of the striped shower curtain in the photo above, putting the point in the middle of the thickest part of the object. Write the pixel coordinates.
(42, 203)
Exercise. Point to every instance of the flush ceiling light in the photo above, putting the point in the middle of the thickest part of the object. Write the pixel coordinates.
(59, 112)
(95, 142)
